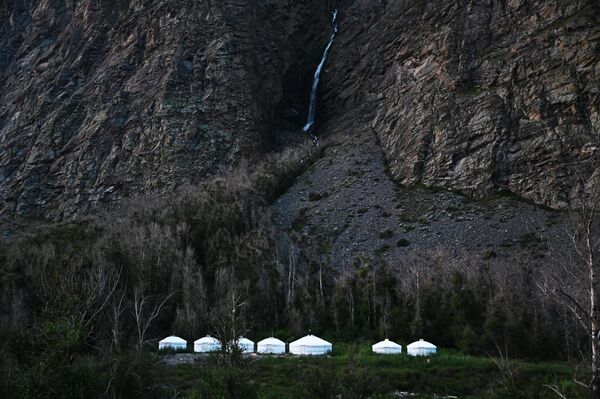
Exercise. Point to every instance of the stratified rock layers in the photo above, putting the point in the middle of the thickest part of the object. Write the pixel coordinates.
(101, 99)
(105, 99)
(478, 96)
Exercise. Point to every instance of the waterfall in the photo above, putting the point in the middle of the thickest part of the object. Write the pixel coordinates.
(315, 86)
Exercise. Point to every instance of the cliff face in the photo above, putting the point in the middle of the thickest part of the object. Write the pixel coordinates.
(101, 99)
(105, 99)
(478, 96)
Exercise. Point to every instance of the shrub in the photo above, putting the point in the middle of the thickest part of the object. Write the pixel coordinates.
(403, 242)
(317, 196)
(385, 234)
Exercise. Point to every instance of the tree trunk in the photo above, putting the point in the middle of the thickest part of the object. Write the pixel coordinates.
(321, 284)
(595, 383)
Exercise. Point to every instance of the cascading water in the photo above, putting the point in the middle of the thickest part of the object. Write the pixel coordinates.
(315, 86)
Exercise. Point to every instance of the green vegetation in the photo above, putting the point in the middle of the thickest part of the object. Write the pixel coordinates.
(489, 254)
(385, 213)
(382, 249)
(531, 240)
(403, 242)
(385, 234)
(300, 220)
(353, 371)
(87, 299)
(317, 196)
(83, 303)
(470, 91)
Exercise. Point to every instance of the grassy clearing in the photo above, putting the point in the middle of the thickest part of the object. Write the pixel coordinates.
(355, 372)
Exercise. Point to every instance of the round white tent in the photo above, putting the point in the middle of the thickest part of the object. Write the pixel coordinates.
(207, 344)
(310, 345)
(245, 345)
(172, 342)
(271, 345)
(421, 348)
(387, 347)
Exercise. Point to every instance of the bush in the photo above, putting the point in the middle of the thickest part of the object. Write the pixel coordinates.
(385, 234)
(403, 242)
(52, 362)
(225, 383)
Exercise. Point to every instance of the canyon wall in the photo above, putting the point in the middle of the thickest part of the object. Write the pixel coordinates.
(105, 99)
(477, 96)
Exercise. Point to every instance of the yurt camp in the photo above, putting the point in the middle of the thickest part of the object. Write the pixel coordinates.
(245, 345)
(310, 345)
(172, 342)
(271, 346)
(207, 344)
(387, 347)
(421, 348)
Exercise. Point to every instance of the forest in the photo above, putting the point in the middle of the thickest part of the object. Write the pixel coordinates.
(85, 302)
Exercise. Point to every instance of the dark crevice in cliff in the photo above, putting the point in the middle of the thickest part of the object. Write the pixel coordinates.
(293, 107)
(108, 100)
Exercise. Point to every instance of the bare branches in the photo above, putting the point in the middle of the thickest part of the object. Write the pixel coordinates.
(230, 324)
(503, 363)
(556, 389)
(575, 285)
(144, 317)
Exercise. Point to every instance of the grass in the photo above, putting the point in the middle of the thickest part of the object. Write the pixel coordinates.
(447, 373)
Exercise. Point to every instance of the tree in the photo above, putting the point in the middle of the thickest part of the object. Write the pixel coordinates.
(574, 283)
(146, 308)
(230, 324)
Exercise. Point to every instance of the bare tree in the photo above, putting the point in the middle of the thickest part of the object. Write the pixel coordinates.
(145, 310)
(116, 311)
(293, 262)
(574, 282)
(230, 324)
(557, 390)
(91, 289)
(193, 304)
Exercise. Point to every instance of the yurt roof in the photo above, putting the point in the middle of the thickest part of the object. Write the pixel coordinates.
(310, 340)
(421, 344)
(271, 341)
(207, 340)
(173, 340)
(246, 341)
(386, 343)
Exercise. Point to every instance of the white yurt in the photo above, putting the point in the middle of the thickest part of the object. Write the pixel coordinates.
(245, 345)
(421, 348)
(172, 342)
(387, 347)
(207, 344)
(271, 345)
(310, 345)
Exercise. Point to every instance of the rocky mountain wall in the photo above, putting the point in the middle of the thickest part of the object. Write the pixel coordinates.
(104, 99)
(478, 96)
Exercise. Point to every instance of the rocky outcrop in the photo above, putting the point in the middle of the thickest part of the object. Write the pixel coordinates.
(478, 96)
(103, 99)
